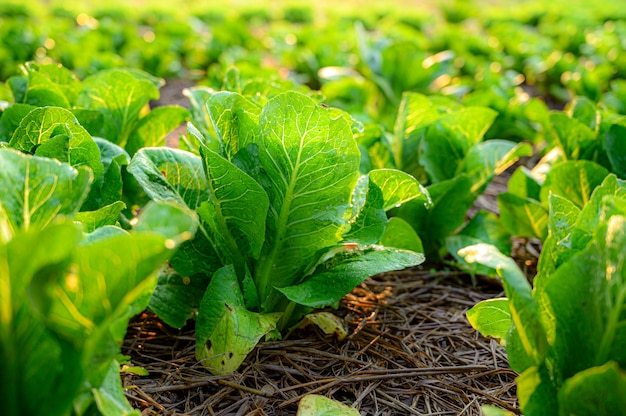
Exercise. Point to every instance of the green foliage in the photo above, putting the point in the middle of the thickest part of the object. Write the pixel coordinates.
(109, 104)
(54, 132)
(291, 198)
(442, 143)
(484, 227)
(273, 201)
(41, 189)
(67, 298)
(316, 405)
(88, 124)
(493, 317)
(565, 337)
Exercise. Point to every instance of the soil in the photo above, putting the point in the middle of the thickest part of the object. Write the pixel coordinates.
(410, 351)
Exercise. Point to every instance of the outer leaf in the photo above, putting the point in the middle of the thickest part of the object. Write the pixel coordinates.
(615, 147)
(169, 220)
(102, 233)
(414, 114)
(110, 396)
(119, 95)
(11, 118)
(574, 180)
(107, 215)
(329, 323)
(492, 318)
(524, 308)
(237, 209)
(316, 405)
(17, 272)
(225, 331)
(398, 187)
(42, 91)
(486, 160)
(42, 189)
(197, 258)
(116, 283)
(536, 392)
(312, 165)
(152, 129)
(18, 86)
(523, 217)
(176, 298)
(62, 78)
(43, 125)
(104, 284)
(586, 298)
(170, 174)
(369, 224)
(597, 391)
(114, 273)
(344, 272)
(39, 375)
(519, 360)
(449, 139)
(235, 120)
(112, 278)
(494, 411)
(400, 234)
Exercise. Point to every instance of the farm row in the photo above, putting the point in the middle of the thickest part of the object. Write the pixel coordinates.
(317, 153)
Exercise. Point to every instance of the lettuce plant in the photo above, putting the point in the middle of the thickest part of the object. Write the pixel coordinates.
(109, 104)
(99, 122)
(585, 144)
(441, 142)
(66, 297)
(566, 335)
(286, 222)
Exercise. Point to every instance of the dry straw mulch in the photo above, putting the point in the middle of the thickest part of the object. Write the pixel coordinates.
(410, 352)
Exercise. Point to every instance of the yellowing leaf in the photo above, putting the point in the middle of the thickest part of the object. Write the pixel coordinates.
(492, 318)
(327, 322)
(316, 405)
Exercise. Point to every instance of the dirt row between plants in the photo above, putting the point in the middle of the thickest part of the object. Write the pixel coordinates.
(410, 352)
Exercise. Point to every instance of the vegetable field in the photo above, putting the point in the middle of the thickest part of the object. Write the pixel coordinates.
(403, 208)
